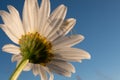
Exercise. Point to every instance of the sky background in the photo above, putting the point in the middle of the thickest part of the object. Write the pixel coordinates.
(98, 21)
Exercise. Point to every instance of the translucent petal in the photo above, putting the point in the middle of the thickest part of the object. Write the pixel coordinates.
(16, 58)
(59, 70)
(10, 23)
(72, 53)
(30, 15)
(50, 73)
(10, 48)
(67, 41)
(67, 66)
(9, 33)
(28, 67)
(42, 73)
(68, 59)
(63, 30)
(55, 20)
(16, 19)
(44, 13)
(35, 69)
(39, 70)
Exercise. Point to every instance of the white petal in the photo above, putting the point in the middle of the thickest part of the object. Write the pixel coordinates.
(59, 70)
(9, 33)
(55, 21)
(16, 19)
(16, 58)
(36, 16)
(35, 69)
(50, 73)
(64, 29)
(72, 53)
(44, 13)
(30, 15)
(39, 70)
(68, 59)
(67, 66)
(10, 23)
(42, 73)
(28, 67)
(67, 41)
(26, 21)
(10, 48)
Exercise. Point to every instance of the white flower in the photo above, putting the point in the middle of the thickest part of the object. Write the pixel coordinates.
(40, 37)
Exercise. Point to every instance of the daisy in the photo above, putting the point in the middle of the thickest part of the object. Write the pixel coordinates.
(41, 42)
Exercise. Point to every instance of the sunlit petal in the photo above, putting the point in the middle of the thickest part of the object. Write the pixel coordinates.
(10, 48)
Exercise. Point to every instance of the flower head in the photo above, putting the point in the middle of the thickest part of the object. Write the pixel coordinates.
(41, 39)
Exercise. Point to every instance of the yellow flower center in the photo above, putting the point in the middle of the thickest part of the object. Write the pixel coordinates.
(36, 48)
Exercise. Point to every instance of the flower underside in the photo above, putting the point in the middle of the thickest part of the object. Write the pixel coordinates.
(36, 48)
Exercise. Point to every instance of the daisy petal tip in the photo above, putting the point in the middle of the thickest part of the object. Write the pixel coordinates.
(82, 37)
(88, 56)
(6, 45)
(35, 74)
(9, 6)
(80, 61)
(12, 60)
(1, 12)
(69, 75)
(3, 48)
(74, 71)
(73, 19)
(62, 6)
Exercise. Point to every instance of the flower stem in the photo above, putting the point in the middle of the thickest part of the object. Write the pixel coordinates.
(19, 69)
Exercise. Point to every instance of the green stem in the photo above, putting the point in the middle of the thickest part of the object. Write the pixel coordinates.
(19, 69)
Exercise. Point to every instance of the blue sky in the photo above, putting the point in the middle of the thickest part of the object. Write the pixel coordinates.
(98, 21)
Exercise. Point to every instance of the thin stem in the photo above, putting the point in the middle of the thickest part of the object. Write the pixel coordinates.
(19, 69)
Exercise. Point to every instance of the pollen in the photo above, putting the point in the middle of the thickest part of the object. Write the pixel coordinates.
(36, 48)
